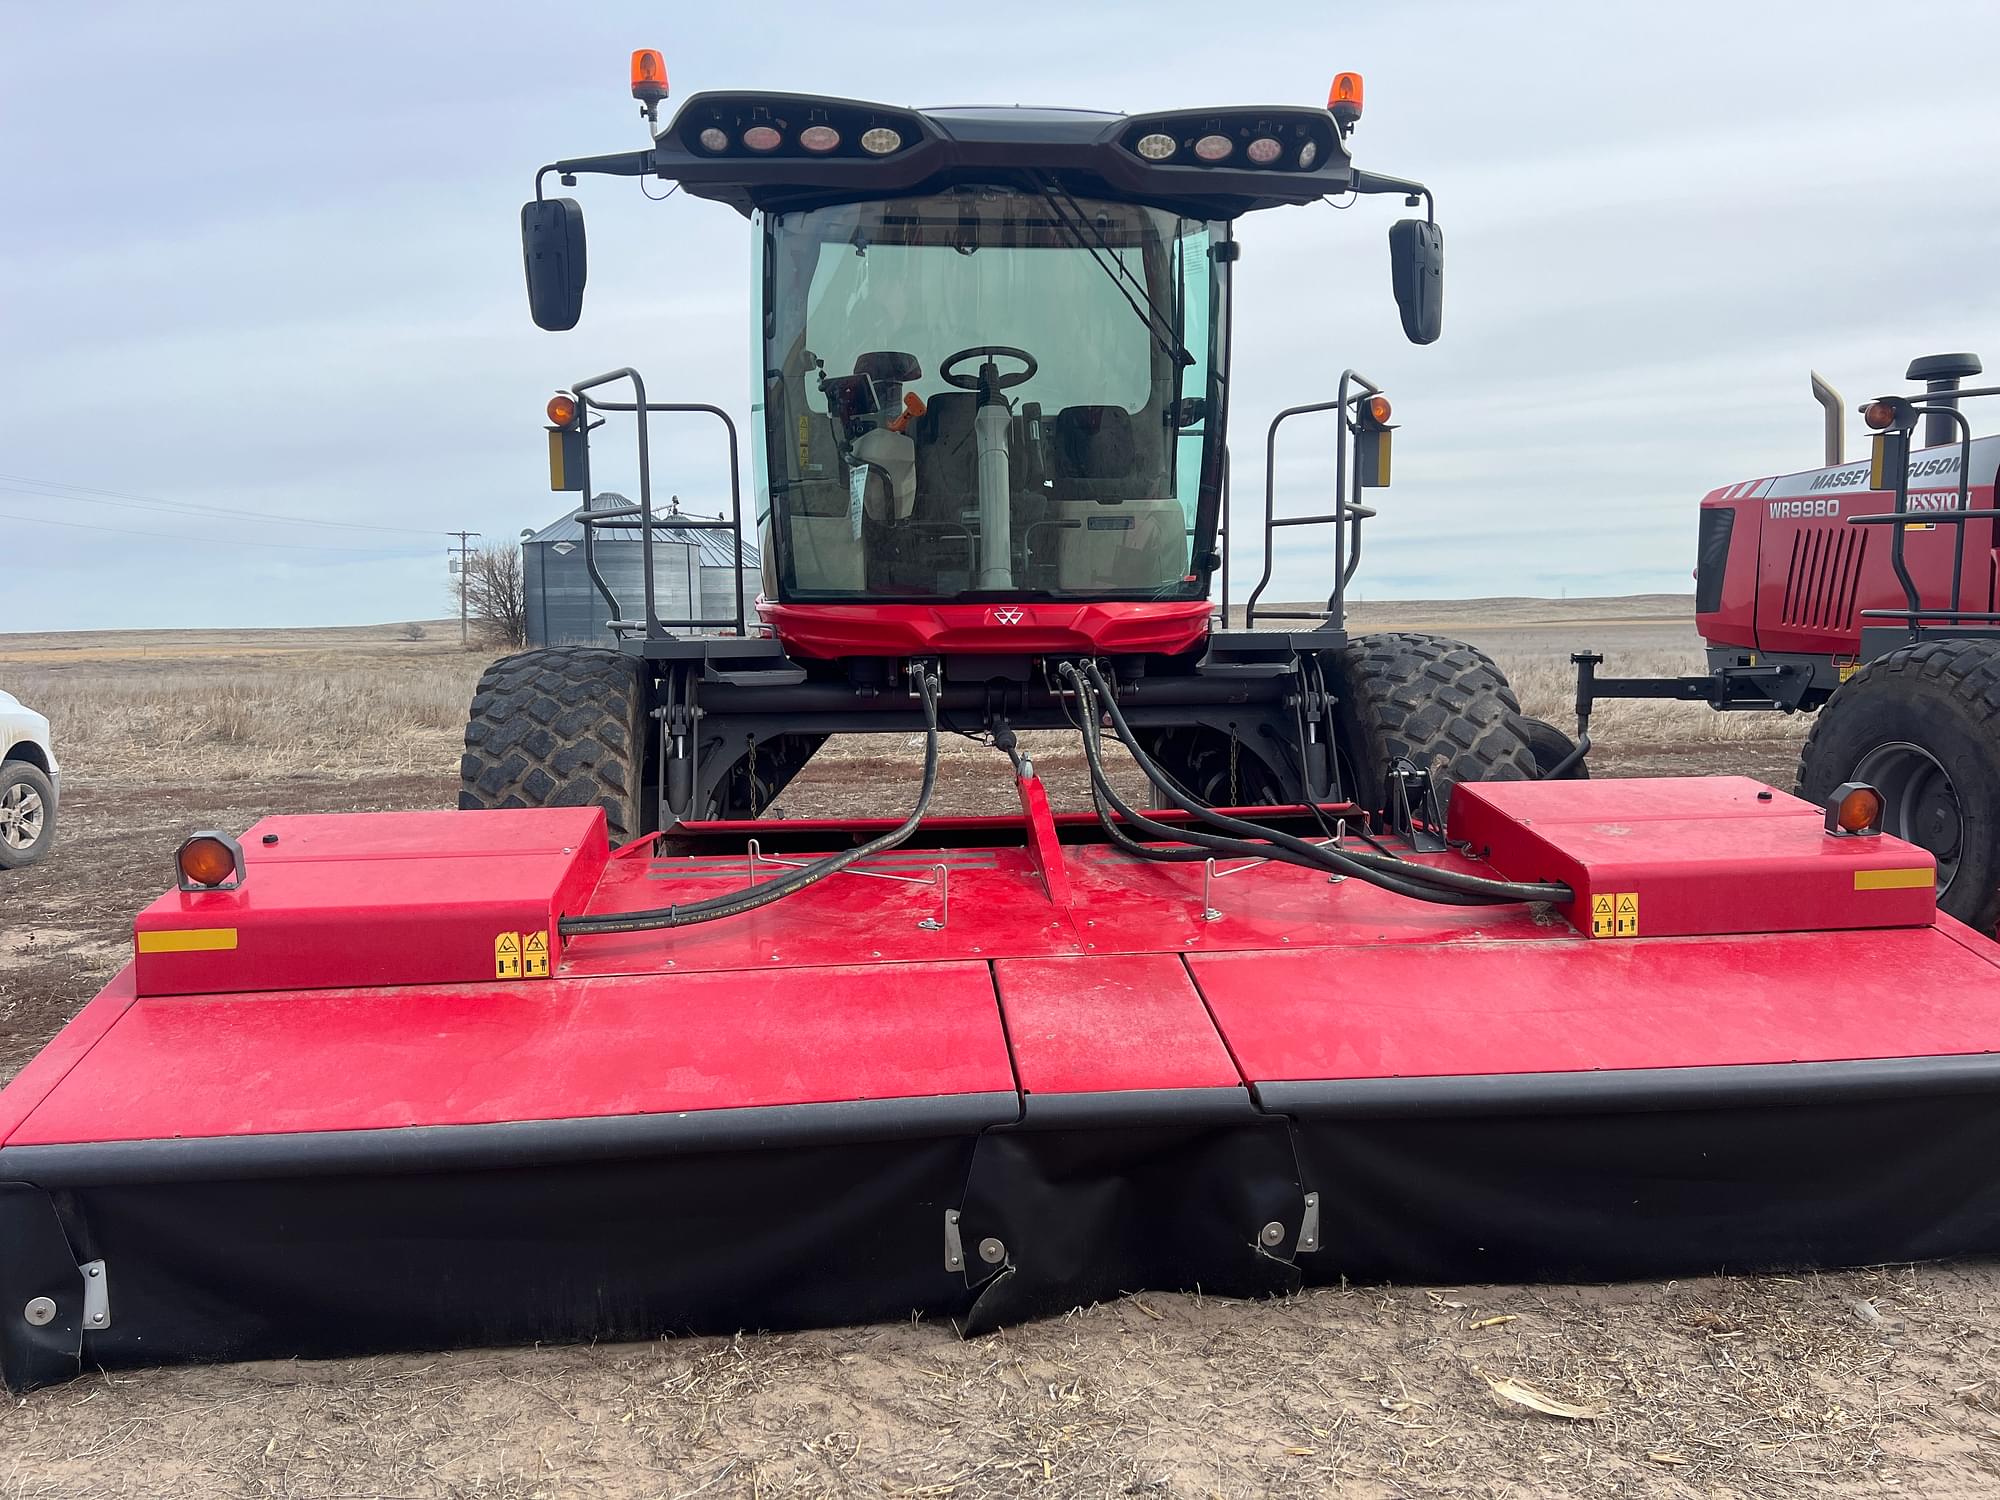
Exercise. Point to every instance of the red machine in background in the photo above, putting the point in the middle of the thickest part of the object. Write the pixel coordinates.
(1869, 593)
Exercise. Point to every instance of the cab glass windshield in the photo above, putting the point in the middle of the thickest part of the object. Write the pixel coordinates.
(990, 392)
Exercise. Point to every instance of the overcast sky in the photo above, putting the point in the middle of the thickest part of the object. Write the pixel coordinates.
(265, 258)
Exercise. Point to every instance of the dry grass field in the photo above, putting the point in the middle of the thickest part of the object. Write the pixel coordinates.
(1857, 1383)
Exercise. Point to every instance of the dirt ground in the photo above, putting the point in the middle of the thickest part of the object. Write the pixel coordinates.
(1856, 1383)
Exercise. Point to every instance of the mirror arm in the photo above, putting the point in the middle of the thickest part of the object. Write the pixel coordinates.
(1378, 182)
(617, 164)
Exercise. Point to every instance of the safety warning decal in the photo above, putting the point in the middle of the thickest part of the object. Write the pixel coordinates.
(521, 955)
(1614, 914)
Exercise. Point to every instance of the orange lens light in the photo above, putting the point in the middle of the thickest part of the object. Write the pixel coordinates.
(1879, 414)
(562, 409)
(1859, 810)
(649, 75)
(1377, 408)
(206, 860)
(1345, 95)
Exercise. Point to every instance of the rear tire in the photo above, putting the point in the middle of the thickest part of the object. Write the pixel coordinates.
(1922, 725)
(561, 727)
(27, 814)
(1442, 705)
(1199, 758)
(1550, 747)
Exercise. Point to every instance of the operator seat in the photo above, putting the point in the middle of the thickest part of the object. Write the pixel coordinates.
(947, 457)
(1116, 530)
(1094, 457)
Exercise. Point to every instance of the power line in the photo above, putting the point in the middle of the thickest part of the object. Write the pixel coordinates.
(464, 539)
(194, 541)
(51, 489)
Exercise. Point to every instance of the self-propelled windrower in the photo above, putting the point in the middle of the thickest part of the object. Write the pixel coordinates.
(1355, 996)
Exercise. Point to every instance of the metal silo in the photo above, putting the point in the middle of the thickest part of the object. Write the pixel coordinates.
(692, 576)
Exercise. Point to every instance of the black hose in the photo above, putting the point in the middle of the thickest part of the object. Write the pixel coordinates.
(1210, 844)
(1405, 877)
(736, 903)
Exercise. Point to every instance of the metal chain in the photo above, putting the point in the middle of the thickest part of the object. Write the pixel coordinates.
(1235, 796)
(754, 807)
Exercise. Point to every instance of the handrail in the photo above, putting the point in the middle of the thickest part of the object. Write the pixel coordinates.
(1342, 516)
(590, 519)
(1902, 518)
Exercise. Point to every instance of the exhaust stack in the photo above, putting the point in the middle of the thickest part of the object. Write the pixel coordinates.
(1829, 400)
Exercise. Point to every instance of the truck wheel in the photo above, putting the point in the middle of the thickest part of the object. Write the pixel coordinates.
(27, 814)
(561, 727)
(1550, 747)
(1921, 725)
(1442, 705)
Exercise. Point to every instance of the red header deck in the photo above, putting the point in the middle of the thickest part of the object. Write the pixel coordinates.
(1150, 977)
(1687, 856)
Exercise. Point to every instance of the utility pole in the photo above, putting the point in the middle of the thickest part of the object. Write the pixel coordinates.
(464, 537)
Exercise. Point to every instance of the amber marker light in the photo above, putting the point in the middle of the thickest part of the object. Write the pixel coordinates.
(1344, 98)
(562, 409)
(1854, 809)
(1377, 409)
(649, 76)
(209, 861)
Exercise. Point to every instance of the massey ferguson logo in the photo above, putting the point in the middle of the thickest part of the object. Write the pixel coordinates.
(1009, 616)
(1920, 468)
(1793, 510)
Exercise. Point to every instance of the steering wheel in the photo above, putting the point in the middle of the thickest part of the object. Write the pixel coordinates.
(988, 351)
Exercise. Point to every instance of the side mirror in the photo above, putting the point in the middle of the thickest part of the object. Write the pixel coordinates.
(552, 247)
(1416, 269)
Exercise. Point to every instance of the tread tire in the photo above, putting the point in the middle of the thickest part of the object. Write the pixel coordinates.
(1550, 748)
(22, 773)
(1441, 704)
(1943, 696)
(564, 726)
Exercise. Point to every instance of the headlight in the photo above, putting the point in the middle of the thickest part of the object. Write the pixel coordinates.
(1264, 150)
(819, 138)
(762, 138)
(880, 141)
(1156, 147)
(1214, 147)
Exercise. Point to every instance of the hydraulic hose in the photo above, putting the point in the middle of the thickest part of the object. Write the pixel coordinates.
(734, 904)
(1405, 877)
(1208, 844)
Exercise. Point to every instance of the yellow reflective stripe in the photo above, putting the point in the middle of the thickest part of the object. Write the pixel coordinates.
(1893, 880)
(189, 940)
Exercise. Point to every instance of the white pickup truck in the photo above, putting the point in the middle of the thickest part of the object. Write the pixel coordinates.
(30, 782)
